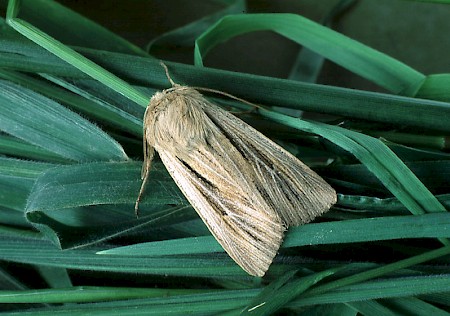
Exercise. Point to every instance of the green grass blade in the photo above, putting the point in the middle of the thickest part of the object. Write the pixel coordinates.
(360, 202)
(43, 122)
(413, 306)
(84, 102)
(442, 299)
(381, 206)
(328, 310)
(64, 192)
(371, 308)
(66, 236)
(437, 142)
(16, 232)
(22, 168)
(350, 231)
(74, 29)
(371, 243)
(433, 174)
(417, 154)
(378, 289)
(99, 109)
(55, 277)
(101, 183)
(267, 292)
(186, 34)
(277, 295)
(364, 292)
(435, 87)
(383, 228)
(16, 180)
(358, 58)
(181, 246)
(308, 64)
(433, 1)
(45, 253)
(376, 157)
(383, 270)
(394, 110)
(70, 56)
(196, 304)
(87, 294)
(13, 146)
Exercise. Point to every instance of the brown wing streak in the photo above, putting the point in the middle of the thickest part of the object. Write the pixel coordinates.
(249, 232)
(289, 186)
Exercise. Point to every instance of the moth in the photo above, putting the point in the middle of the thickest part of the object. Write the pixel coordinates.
(246, 189)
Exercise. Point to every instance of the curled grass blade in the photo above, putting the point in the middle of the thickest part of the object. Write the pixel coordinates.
(358, 58)
(186, 35)
(308, 64)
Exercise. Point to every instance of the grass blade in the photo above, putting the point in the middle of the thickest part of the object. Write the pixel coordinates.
(42, 122)
(365, 61)
(349, 231)
(390, 109)
(276, 295)
(70, 56)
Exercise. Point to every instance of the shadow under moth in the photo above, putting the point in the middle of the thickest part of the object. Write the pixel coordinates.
(246, 189)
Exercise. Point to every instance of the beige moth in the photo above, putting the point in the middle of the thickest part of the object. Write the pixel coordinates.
(246, 189)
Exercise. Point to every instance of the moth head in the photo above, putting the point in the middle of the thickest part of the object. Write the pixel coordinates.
(170, 95)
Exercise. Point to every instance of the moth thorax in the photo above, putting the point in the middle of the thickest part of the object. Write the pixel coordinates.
(177, 121)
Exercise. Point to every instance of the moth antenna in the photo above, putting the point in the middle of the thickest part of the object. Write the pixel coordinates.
(167, 74)
(229, 96)
(209, 90)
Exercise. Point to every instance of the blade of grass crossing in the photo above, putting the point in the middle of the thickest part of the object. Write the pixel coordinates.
(383, 270)
(70, 56)
(273, 298)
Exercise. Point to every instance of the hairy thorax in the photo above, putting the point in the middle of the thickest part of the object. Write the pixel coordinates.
(177, 120)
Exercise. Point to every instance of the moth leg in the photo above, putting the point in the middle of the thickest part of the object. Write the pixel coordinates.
(148, 157)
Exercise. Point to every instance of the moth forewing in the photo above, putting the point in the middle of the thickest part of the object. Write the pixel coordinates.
(245, 188)
(289, 186)
(251, 238)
